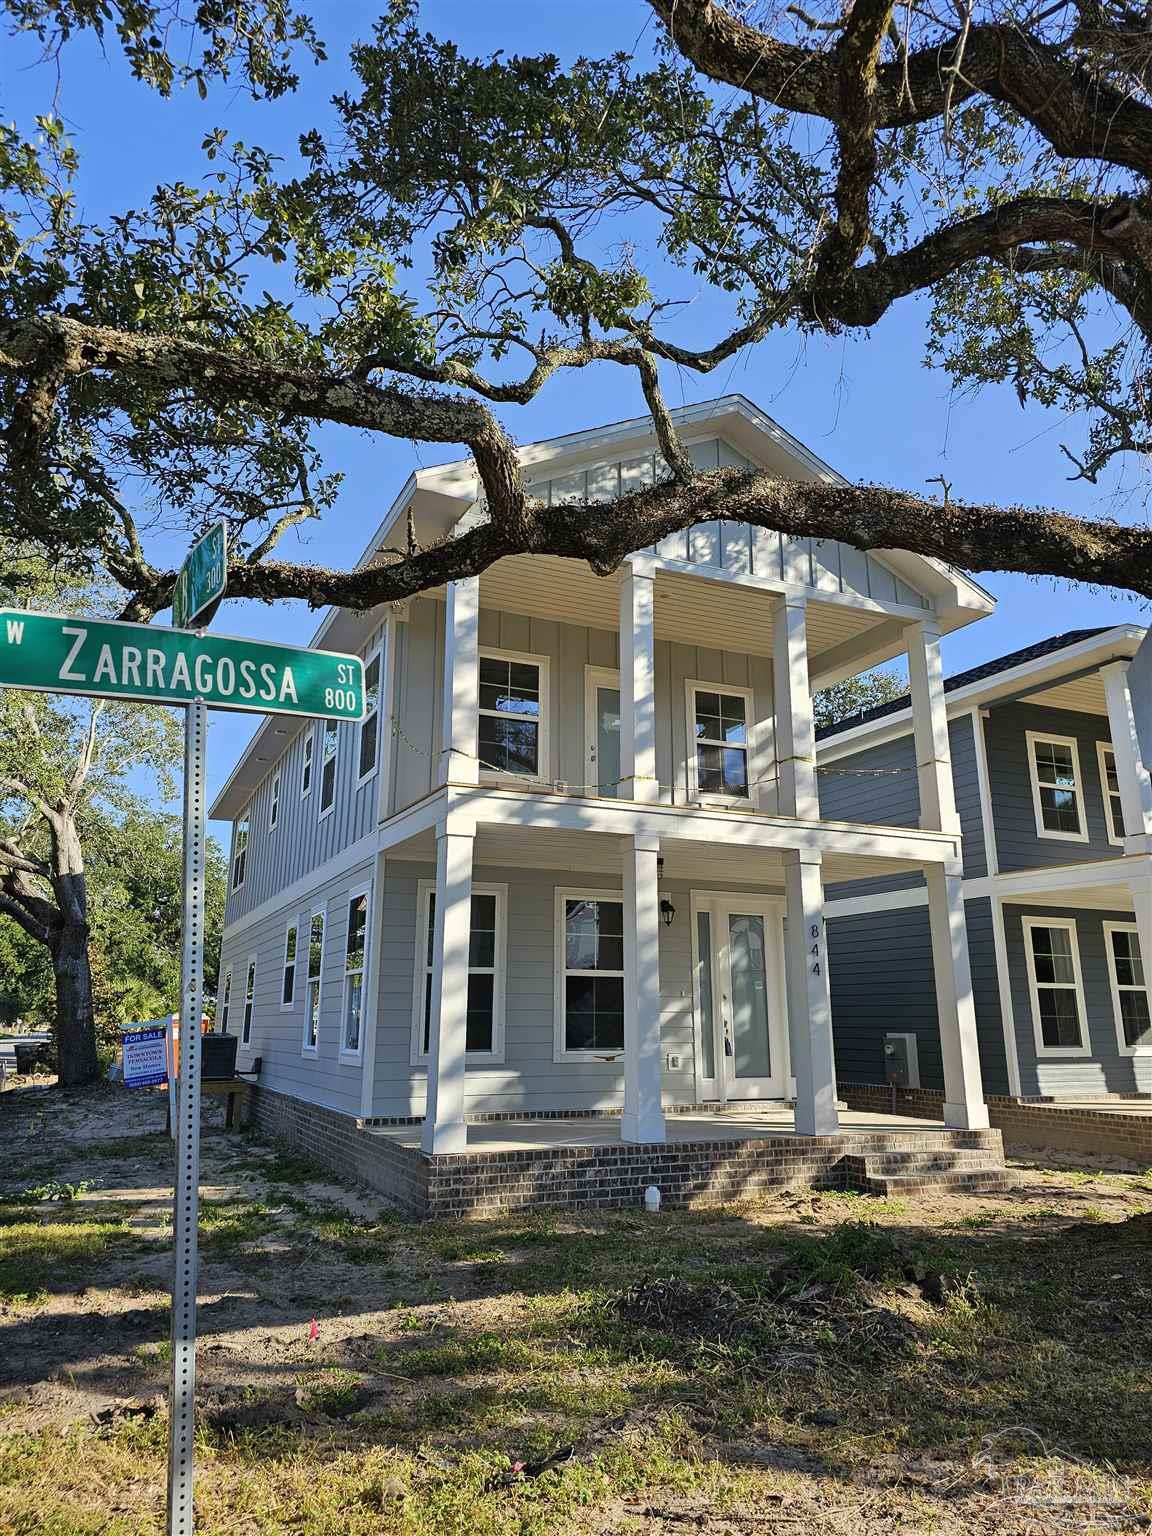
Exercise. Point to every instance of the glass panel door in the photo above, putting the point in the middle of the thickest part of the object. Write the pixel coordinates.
(742, 1018)
(602, 704)
(748, 1000)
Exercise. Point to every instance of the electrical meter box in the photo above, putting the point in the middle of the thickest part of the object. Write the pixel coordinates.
(901, 1065)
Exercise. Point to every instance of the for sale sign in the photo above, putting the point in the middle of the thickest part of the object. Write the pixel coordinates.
(145, 1058)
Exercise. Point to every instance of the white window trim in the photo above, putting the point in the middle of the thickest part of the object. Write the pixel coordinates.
(274, 803)
(1031, 739)
(595, 678)
(560, 1051)
(308, 760)
(1114, 984)
(692, 686)
(1034, 987)
(247, 1020)
(363, 889)
(424, 888)
(324, 811)
(375, 654)
(293, 922)
(1102, 750)
(224, 1011)
(544, 773)
(235, 885)
(305, 1048)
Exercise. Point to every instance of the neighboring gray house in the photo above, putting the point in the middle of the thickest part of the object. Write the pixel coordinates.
(1056, 810)
(574, 858)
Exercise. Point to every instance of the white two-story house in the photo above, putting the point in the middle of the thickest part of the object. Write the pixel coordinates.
(573, 862)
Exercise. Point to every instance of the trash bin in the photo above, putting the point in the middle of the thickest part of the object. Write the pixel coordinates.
(219, 1055)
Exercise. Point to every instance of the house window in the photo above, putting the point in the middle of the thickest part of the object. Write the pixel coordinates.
(306, 768)
(240, 850)
(249, 1000)
(513, 714)
(1054, 763)
(484, 1026)
(1129, 989)
(328, 746)
(355, 963)
(288, 985)
(274, 803)
(718, 734)
(1054, 979)
(313, 988)
(590, 973)
(1110, 784)
(370, 726)
(226, 1001)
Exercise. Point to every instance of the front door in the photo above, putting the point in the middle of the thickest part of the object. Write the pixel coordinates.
(742, 1035)
(602, 717)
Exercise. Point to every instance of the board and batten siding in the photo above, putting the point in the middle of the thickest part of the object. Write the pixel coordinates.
(881, 980)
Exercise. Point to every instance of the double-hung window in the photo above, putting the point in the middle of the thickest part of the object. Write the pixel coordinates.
(1110, 784)
(589, 973)
(249, 1001)
(314, 984)
(306, 763)
(225, 1001)
(355, 968)
(1129, 989)
(288, 983)
(329, 740)
(1057, 795)
(274, 803)
(513, 726)
(240, 849)
(370, 725)
(1055, 984)
(718, 740)
(484, 1026)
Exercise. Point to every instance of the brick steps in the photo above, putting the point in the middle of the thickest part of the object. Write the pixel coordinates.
(955, 1169)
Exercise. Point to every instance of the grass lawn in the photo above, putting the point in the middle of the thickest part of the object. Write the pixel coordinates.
(810, 1363)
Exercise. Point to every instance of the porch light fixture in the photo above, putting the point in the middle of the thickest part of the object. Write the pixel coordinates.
(667, 911)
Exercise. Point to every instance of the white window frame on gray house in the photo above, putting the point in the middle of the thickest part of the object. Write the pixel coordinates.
(694, 687)
(309, 752)
(225, 1001)
(1039, 784)
(542, 718)
(241, 836)
(560, 1048)
(356, 976)
(371, 720)
(274, 803)
(425, 891)
(249, 1000)
(1113, 803)
(310, 1045)
(329, 736)
(1120, 988)
(291, 960)
(1030, 924)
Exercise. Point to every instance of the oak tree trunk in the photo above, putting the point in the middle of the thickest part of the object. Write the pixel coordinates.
(75, 1017)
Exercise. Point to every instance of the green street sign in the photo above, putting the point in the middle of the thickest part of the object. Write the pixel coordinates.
(108, 659)
(202, 578)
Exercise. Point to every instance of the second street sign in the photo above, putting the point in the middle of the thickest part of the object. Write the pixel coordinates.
(110, 659)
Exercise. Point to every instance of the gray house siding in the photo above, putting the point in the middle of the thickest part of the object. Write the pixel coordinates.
(1106, 1070)
(1017, 844)
(881, 979)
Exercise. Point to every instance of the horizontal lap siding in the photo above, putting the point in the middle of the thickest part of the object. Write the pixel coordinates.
(1107, 1070)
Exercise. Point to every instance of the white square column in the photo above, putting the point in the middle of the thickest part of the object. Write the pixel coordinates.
(792, 702)
(461, 696)
(809, 1003)
(637, 688)
(643, 1118)
(964, 1106)
(930, 729)
(1131, 771)
(444, 1128)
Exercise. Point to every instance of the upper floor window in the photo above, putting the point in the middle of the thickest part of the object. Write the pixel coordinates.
(718, 722)
(1110, 784)
(370, 725)
(328, 744)
(249, 1000)
(1056, 986)
(306, 764)
(484, 1025)
(355, 964)
(240, 849)
(274, 803)
(315, 982)
(513, 714)
(1129, 989)
(1057, 796)
(590, 971)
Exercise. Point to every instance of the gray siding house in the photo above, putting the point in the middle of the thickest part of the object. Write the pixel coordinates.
(574, 859)
(1055, 809)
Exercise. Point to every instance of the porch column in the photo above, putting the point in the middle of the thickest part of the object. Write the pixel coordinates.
(643, 1110)
(930, 729)
(637, 688)
(1131, 770)
(792, 702)
(461, 696)
(809, 1004)
(444, 1128)
(964, 1106)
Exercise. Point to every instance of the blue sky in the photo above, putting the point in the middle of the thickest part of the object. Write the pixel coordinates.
(865, 404)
